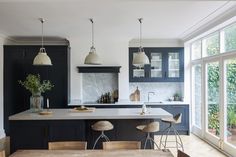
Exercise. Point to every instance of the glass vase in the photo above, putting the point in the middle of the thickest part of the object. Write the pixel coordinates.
(36, 102)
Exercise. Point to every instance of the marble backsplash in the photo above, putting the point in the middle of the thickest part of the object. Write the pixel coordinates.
(96, 84)
(163, 90)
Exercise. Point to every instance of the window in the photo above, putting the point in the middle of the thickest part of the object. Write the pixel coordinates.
(214, 99)
(230, 38)
(196, 50)
(211, 45)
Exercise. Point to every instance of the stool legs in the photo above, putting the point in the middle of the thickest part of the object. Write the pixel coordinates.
(100, 137)
(149, 138)
(177, 141)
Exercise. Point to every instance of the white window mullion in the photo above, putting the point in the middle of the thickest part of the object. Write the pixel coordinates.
(221, 101)
(204, 101)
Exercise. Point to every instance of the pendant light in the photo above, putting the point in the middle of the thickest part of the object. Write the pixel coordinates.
(92, 57)
(42, 58)
(140, 59)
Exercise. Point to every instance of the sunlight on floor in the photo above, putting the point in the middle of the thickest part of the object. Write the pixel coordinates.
(195, 147)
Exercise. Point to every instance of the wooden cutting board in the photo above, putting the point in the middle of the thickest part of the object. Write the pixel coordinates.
(87, 109)
(44, 113)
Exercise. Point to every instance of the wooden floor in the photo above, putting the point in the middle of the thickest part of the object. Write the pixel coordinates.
(193, 146)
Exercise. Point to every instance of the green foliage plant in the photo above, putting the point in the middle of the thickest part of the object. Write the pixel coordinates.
(213, 118)
(33, 84)
(231, 116)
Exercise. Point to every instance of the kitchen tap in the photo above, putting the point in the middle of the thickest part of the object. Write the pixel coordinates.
(153, 93)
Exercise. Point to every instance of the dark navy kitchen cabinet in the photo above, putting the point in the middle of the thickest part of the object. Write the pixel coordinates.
(18, 60)
(166, 65)
(28, 135)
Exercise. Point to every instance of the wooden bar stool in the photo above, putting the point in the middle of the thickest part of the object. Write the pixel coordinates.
(67, 145)
(102, 126)
(121, 145)
(148, 129)
(172, 121)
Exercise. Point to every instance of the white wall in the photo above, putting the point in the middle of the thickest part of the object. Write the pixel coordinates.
(2, 132)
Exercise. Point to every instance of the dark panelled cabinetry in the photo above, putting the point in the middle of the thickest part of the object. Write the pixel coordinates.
(167, 65)
(18, 64)
(37, 134)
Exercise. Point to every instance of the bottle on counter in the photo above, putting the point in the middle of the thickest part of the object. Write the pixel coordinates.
(137, 94)
(108, 97)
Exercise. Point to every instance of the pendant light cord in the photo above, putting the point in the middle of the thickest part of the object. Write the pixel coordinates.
(92, 32)
(140, 35)
(42, 21)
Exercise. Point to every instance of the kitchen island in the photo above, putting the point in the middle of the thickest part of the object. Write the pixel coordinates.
(33, 131)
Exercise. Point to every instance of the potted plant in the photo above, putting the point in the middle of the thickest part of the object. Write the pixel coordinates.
(213, 125)
(176, 97)
(231, 121)
(33, 84)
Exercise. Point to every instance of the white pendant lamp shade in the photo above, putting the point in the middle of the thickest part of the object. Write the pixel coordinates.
(42, 58)
(140, 58)
(92, 57)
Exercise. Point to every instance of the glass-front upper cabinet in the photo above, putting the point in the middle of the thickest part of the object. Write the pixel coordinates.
(173, 64)
(166, 65)
(156, 64)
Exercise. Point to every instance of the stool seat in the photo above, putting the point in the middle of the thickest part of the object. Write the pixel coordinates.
(102, 126)
(169, 120)
(175, 120)
(151, 127)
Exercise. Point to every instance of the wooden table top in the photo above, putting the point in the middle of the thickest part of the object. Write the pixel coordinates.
(91, 153)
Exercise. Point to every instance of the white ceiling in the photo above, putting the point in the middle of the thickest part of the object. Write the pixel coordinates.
(69, 18)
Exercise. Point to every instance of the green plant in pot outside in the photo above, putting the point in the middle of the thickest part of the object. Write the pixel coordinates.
(33, 84)
(213, 118)
(231, 115)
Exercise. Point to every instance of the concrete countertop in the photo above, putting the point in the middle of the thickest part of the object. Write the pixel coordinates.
(99, 113)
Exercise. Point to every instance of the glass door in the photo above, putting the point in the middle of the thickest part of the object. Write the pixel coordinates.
(220, 103)
(212, 102)
(229, 133)
(173, 65)
(156, 65)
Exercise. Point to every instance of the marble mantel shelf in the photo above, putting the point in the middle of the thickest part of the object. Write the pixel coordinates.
(99, 113)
